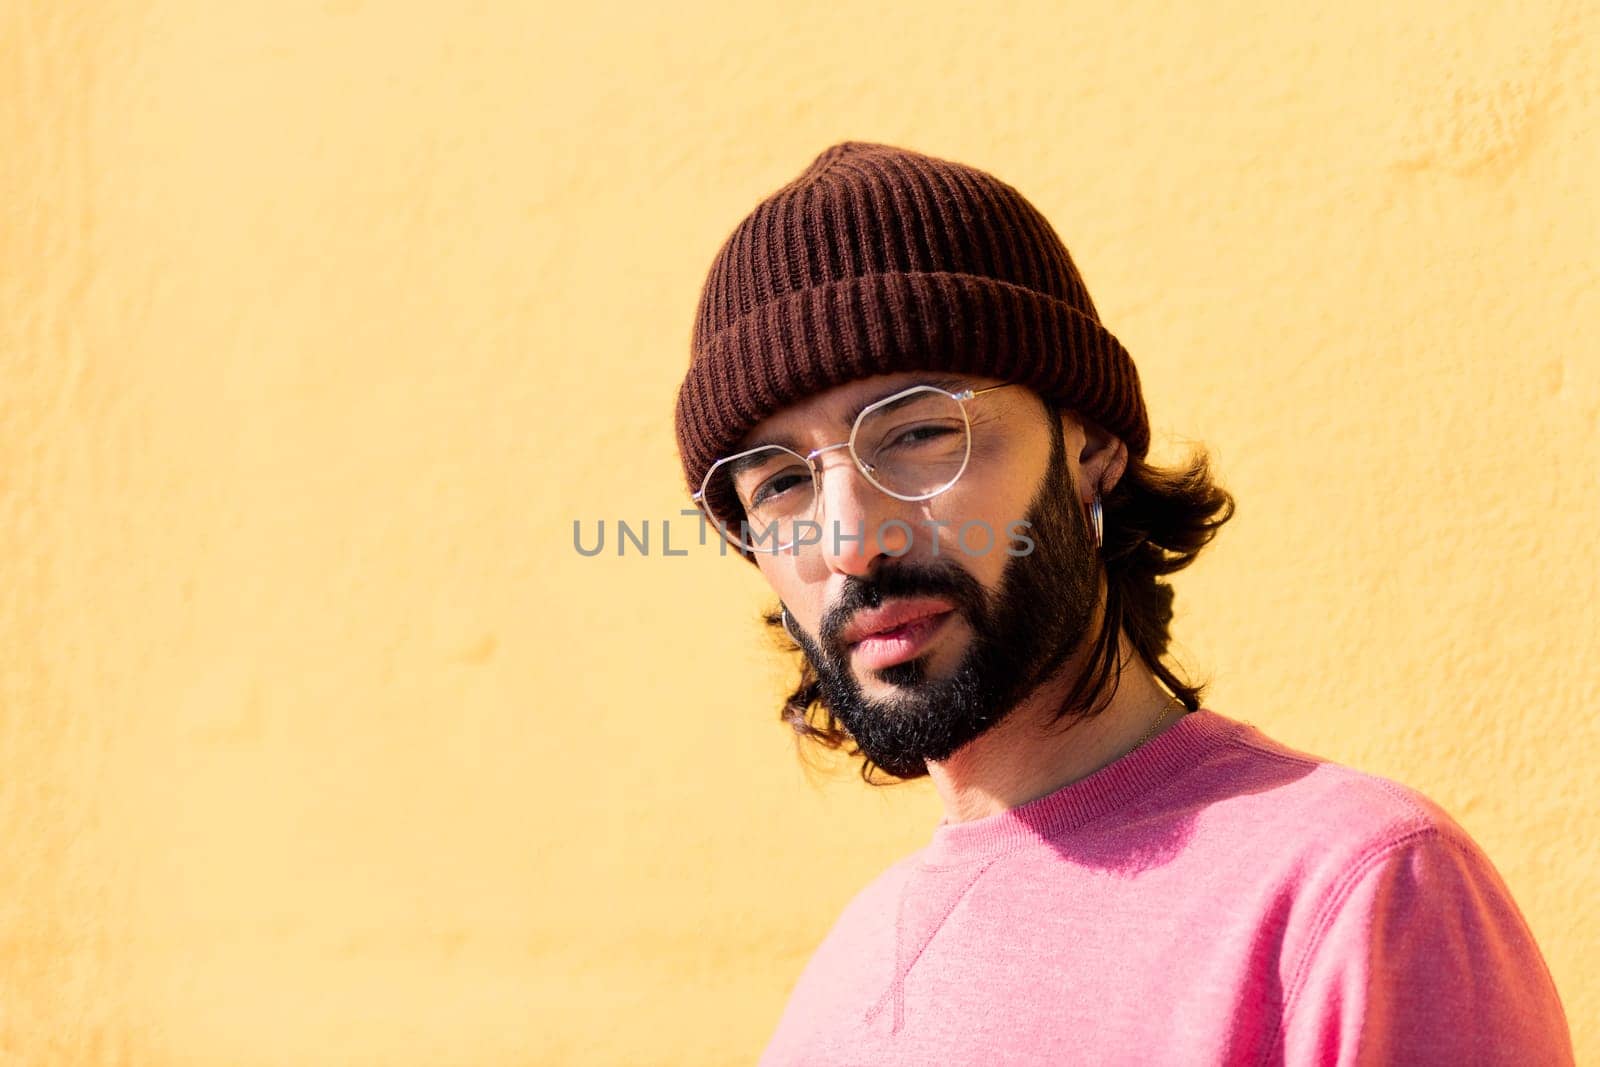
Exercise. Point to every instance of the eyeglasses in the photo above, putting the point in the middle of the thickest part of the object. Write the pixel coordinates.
(913, 446)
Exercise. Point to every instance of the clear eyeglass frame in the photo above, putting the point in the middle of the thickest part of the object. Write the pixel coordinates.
(866, 469)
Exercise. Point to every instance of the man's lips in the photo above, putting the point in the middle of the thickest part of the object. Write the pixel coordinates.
(896, 632)
(878, 621)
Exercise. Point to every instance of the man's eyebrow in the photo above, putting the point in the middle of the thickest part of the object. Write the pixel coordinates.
(744, 463)
(950, 383)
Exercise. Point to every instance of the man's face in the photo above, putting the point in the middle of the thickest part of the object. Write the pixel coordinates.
(924, 640)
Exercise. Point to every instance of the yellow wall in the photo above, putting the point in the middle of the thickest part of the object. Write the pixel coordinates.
(321, 322)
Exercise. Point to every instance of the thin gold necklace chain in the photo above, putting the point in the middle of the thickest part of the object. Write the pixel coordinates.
(1157, 724)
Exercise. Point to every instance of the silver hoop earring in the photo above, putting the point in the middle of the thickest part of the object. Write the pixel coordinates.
(1097, 519)
(786, 629)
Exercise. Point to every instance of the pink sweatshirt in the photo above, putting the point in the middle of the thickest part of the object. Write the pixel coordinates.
(1214, 897)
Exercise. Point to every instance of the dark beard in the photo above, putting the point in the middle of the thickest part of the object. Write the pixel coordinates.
(1022, 635)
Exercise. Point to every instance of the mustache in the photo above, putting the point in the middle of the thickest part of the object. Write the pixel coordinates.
(936, 578)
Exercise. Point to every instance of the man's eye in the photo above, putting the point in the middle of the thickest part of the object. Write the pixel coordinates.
(775, 487)
(921, 434)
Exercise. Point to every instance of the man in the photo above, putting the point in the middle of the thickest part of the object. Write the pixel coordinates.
(903, 408)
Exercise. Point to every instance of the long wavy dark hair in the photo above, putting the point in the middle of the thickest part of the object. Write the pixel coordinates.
(1157, 519)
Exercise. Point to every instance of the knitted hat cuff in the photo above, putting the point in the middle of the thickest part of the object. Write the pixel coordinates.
(800, 343)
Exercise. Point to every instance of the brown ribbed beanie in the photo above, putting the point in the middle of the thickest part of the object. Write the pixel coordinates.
(878, 259)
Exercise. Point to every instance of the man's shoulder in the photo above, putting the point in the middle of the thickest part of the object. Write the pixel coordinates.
(882, 893)
(1302, 799)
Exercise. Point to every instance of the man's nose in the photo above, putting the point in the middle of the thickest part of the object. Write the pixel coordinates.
(852, 511)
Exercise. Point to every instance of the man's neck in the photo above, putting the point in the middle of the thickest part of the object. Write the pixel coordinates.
(1028, 755)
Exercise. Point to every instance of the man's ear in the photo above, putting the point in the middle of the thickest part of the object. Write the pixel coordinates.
(1103, 458)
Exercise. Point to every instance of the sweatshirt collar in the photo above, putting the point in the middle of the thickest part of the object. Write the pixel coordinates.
(1074, 805)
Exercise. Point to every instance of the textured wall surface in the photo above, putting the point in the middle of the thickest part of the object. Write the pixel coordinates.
(321, 323)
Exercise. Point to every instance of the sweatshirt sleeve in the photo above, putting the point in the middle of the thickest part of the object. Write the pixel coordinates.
(1420, 956)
